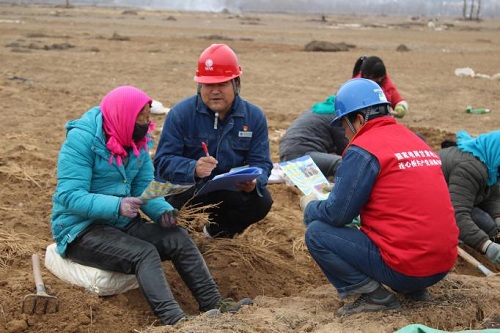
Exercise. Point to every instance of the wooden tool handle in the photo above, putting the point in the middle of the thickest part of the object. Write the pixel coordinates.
(467, 257)
(473, 261)
(40, 287)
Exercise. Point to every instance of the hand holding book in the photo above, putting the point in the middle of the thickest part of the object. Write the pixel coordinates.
(305, 174)
(158, 189)
(228, 181)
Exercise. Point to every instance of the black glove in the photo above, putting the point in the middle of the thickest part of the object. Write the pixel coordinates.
(448, 143)
(167, 219)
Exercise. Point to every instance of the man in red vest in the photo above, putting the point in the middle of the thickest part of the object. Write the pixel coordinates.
(408, 236)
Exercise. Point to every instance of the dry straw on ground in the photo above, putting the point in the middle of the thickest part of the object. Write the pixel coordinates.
(194, 217)
(21, 173)
(254, 256)
(299, 246)
(15, 245)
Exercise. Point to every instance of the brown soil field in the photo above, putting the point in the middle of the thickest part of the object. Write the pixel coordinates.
(58, 62)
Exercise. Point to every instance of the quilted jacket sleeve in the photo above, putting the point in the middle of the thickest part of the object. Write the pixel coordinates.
(75, 165)
(467, 183)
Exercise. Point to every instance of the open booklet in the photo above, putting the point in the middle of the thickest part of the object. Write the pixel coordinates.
(158, 189)
(306, 175)
(227, 181)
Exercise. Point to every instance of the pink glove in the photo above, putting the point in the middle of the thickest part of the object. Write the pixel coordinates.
(130, 206)
(167, 219)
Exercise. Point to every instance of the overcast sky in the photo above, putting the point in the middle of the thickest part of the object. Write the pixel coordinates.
(432, 8)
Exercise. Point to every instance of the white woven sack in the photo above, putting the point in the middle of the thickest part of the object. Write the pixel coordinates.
(95, 281)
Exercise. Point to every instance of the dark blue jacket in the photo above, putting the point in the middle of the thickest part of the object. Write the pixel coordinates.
(240, 139)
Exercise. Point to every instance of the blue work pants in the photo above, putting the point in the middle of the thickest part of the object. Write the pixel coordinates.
(353, 264)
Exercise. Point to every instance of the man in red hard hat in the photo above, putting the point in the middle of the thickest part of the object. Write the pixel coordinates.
(209, 134)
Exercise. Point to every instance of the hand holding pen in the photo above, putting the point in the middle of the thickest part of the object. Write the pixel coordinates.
(205, 148)
(205, 164)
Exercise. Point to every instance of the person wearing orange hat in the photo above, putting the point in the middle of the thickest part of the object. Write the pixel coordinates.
(209, 134)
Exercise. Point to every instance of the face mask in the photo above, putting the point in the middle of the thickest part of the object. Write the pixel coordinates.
(140, 131)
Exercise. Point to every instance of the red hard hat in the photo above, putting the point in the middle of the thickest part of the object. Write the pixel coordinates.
(218, 63)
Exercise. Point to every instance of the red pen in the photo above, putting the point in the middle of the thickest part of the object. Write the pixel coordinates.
(205, 148)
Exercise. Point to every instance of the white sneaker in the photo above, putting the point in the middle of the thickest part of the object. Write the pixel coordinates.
(206, 233)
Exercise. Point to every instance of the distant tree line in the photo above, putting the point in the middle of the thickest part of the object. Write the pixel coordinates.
(470, 12)
(468, 9)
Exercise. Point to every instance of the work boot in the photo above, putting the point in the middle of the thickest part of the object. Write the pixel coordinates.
(421, 295)
(231, 306)
(182, 320)
(206, 233)
(210, 233)
(246, 301)
(380, 299)
(209, 313)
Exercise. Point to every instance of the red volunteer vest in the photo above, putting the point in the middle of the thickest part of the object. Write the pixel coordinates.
(409, 215)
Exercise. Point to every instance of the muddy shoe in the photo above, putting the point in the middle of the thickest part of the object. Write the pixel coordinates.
(422, 295)
(246, 301)
(378, 300)
(210, 233)
(181, 321)
(206, 233)
(211, 313)
(231, 306)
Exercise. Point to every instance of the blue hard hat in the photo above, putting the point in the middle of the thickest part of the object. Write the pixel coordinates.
(357, 94)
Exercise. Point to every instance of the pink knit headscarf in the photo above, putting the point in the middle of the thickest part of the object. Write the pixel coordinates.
(120, 108)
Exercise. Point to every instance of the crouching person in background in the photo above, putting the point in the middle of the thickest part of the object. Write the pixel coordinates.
(472, 171)
(408, 235)
(373, 68)
(311, 134)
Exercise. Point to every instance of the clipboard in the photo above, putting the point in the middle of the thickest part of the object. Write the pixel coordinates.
(227, 181)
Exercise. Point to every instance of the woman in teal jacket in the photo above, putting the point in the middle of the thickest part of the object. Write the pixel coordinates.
(103, 167)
